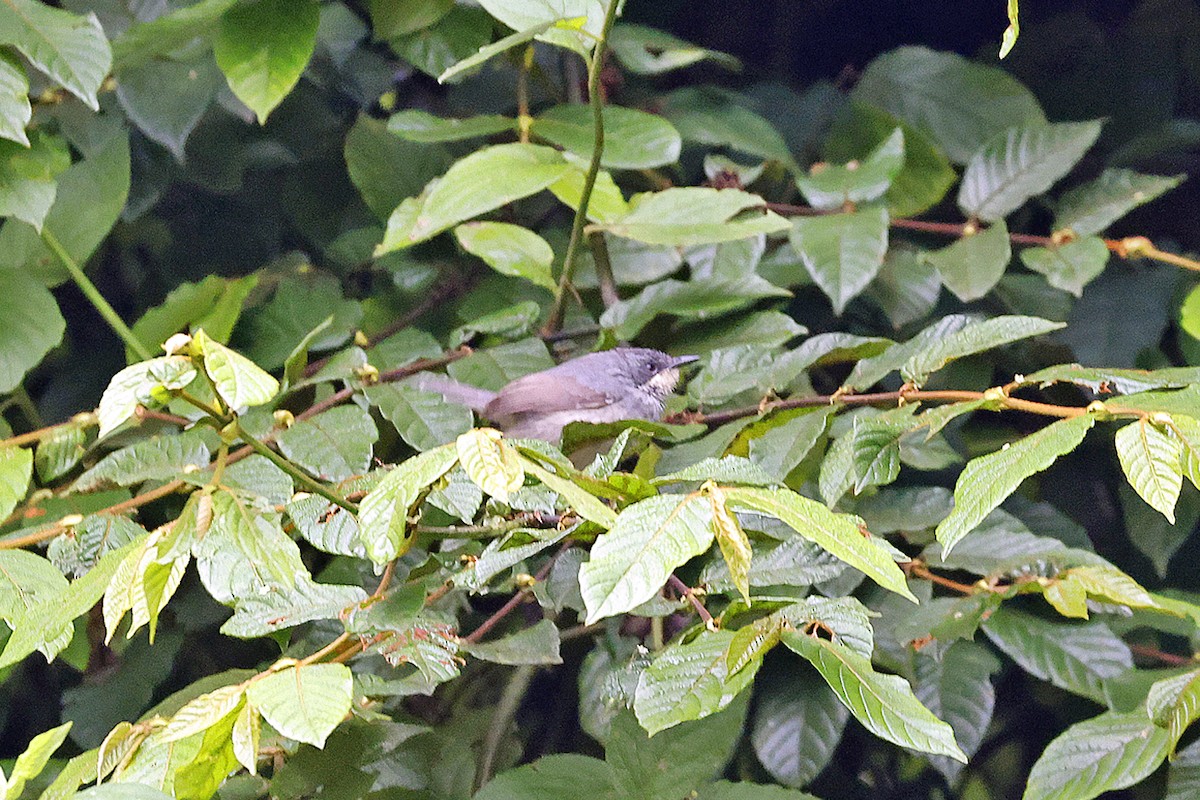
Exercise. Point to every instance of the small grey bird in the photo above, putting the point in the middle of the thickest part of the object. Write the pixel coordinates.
(624, 383)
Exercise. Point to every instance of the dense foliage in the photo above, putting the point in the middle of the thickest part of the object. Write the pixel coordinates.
(852, 560)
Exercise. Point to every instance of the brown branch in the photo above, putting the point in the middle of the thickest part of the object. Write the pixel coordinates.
(918, 569)
(514, 601)
(43, 534)
(1174, 660)
(686, 591)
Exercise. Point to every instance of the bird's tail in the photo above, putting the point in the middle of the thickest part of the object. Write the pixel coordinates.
(472, 397)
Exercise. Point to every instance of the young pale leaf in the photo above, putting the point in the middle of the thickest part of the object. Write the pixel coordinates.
(490, 462)
(689, 681)
(884, 704)
(1102, 754)
(148, 383)
(734, 544)
(247, 729)
(1174, 703)
(648, 51)
(797, 725)
(15, 110)
(203, 712)
(579, 23)
(304, 703)
(43, 623)
(483, 181)
(1024, 162)
(16, 468)
(1186, 430)
(509, 249)
(607, 204)
(841, 534)
(1078, 657)
(974, 337)
(33, 760)
(988, 480)
(264, 47)
(632, 139)
(842, 252)
(1092, 207)
(383, 514)
(973, 265)
(832, 186)
(631, 562)
(1070, 266)
(694, 215)
(240, 382)
(421, 126)
(925, 88)
(1151, 460)
(70, 48)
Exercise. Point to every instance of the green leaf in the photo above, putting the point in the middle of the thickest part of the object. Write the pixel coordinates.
(333, 445)
(700, 298)
(1078, 657)
(638, 554)
(884, 704)
(842, 252)
(167, 98)
(265, 613)
(58, 453)
(263, 47)
(632, 139)
(1183, 775)
(297, 316)
(71, 49)
(584, 503)
(166, 33)
(1024, 162)
(436, 48)
(1186, 430)
(1123, 381)
(926, 88)
(746, 790)
(15, 110)
(797, 725)
(582, 21)
(840, 534)
(694, 215)
(43, 622)
(304, 703)
(240, 382)
(29, 176)
(1174, 703)
(606, 204)
(16, 468)
(423, 419)
(509, 249)
(1151, 462)
(727, 469)
(711, 117)
(416, 125)
(488, 50)
(398, 17)
(786, 443)
(988, 480)
(1108, 752)
(689, 681)
(91, 195)
(490, 462)
(973, 265)
(648, 51)
(147, 383)
(33, 760)
(973, 337)
(214, 304)
(957, 688)
(926, 175)
(537, 644)
(483, 181)
(386, 169)
(160, 458)
(556, 777)
(383, 514)
(1070, 266)
(26, 579)
(832, 186)
(201, 713)
(734, 544)
(1092, 207)
(245, 553)
(30, 326)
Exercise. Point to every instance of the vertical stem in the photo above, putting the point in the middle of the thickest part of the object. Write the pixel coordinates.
(604, 270)
(94, 297)
(596, 98)
(502, 717)
(523, 118)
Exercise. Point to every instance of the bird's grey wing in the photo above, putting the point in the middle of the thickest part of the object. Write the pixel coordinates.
(472, 397)
(543, 393)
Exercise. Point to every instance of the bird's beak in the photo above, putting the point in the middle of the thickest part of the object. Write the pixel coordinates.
(684, 360)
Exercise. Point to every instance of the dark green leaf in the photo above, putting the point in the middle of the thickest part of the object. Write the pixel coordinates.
(1092, 207)
(1070, 266)
(974, 264)
(264, 47)
(842, 252)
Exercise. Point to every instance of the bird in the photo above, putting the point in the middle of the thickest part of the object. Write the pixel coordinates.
(618, 384)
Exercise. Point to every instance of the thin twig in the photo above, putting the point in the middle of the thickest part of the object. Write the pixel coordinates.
(516, 599)
(102, 306)
(596, 98)
(502, 717)
(50, 532)
(299, 475)
(604, 270)
(1146, 651)
(686, 591)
